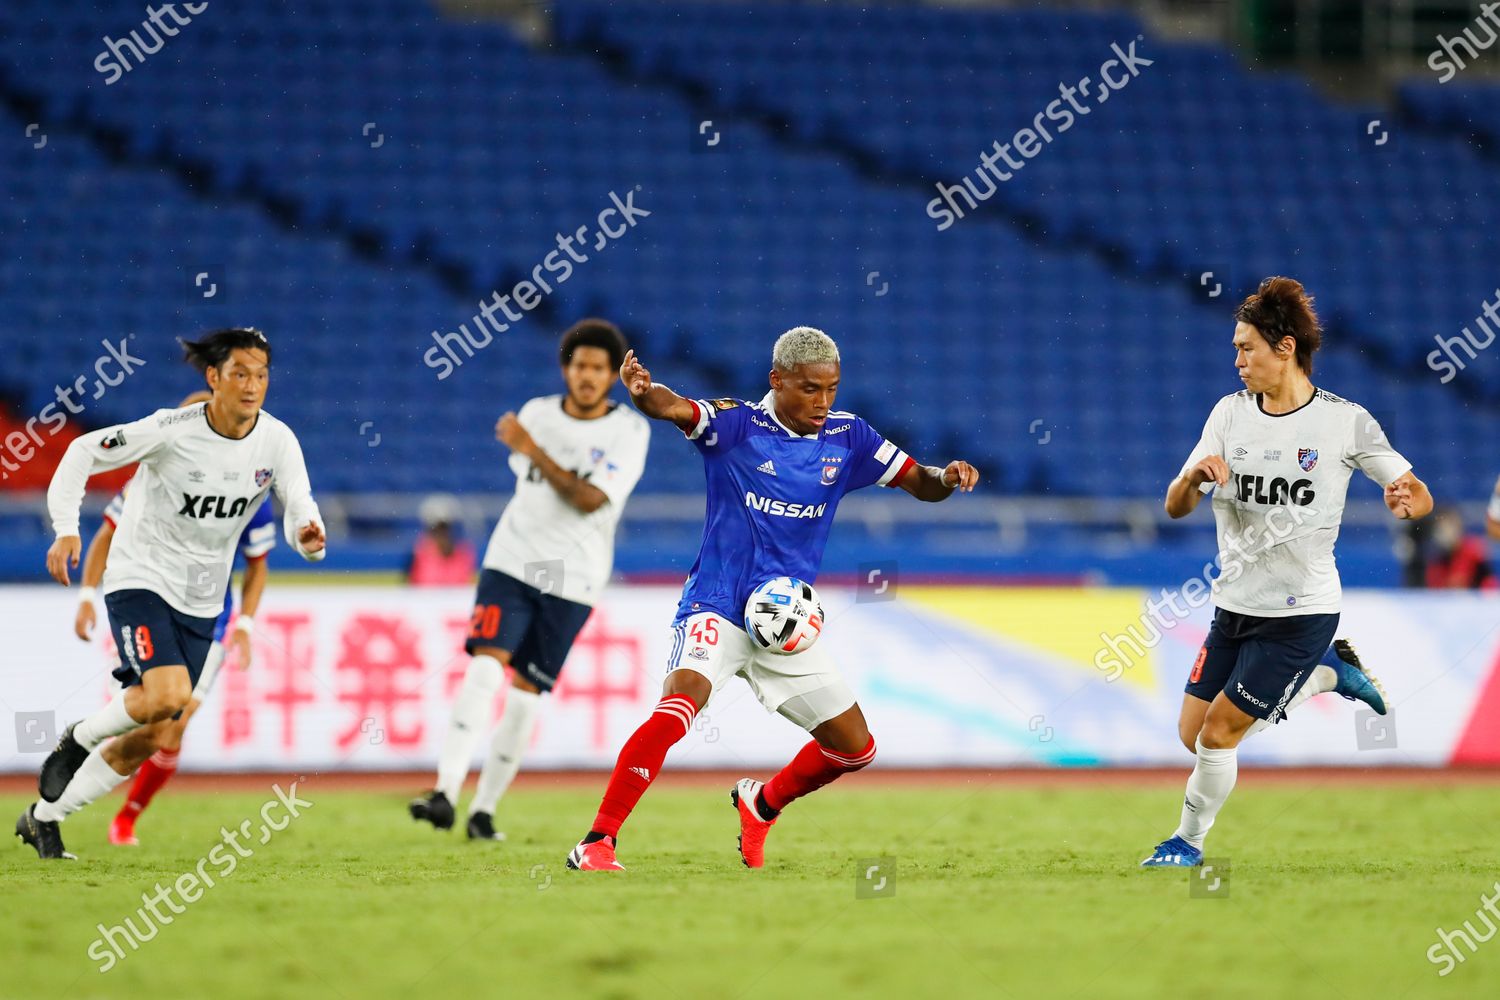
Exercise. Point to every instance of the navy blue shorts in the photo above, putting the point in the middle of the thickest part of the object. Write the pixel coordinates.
(537, 629)
(151, 633)
(1259, 663)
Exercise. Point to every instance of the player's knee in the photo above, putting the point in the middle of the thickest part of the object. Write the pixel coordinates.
(484, 673)
(166, 699)
(691, 683)
(1219, 734)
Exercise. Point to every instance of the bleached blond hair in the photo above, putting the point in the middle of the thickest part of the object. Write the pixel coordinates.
(803, 345)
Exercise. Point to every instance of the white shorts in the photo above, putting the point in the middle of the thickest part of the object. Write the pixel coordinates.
(804, 688)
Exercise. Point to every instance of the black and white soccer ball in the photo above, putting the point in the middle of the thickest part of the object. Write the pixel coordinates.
(784, 615)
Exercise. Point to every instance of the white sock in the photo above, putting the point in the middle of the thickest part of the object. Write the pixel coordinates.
(94, 780)
(512, 737)
(111, 720)
(1322, 680)
(470, 710)
(1210, 784)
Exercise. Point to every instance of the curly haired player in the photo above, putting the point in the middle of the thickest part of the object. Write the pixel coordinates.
(577, 456)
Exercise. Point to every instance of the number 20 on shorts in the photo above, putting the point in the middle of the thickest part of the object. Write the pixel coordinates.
(485, 623)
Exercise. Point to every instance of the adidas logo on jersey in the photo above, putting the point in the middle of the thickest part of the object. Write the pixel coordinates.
(767, 468)
(642, 772)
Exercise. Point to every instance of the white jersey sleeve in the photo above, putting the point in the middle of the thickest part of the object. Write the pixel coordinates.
(99, 451)
(617, 471)
(1215, 432)
(1371, 452)
(293, 488)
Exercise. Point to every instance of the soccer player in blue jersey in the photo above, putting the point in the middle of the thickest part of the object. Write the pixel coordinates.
(776, 470)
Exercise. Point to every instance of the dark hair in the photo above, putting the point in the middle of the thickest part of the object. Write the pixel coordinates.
(1281, 308)
(213, 349)
(593, 333)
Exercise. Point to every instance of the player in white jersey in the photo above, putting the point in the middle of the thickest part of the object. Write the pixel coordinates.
(576, 458)
(1492, 517)
(152, 750)
(1278, 457)
(202, 473)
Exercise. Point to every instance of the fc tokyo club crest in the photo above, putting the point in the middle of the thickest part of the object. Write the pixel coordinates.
(262, 477)
(1307, 458)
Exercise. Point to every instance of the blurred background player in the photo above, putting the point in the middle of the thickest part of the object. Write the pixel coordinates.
(1290, 449)
(1457, 560)
(440, 557)
(576, 457)
(791, 447)
(202, 473)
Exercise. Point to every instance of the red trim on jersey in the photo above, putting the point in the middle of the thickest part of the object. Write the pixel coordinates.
(110, 521)
(697, 418)
(905, 468)
(259, 558)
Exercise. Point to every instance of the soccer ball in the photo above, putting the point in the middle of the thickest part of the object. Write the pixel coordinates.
(784, 615)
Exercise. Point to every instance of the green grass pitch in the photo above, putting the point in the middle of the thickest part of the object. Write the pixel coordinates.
(996, 891)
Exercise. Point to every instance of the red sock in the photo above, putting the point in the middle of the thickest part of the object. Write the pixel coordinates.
(640, 760)
(812, 768)
(157, 771)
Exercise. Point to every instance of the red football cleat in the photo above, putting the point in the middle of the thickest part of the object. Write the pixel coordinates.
(753, 829)
(596, 857)
(122, 831)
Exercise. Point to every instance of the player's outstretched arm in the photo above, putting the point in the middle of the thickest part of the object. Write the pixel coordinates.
(302, 523)
(1408, 498)
(929, 483)
(96, 451)
(1187, 489)
(655, 401)
(93, 575)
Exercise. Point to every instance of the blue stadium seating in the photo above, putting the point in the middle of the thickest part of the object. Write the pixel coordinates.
(1066, 311)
